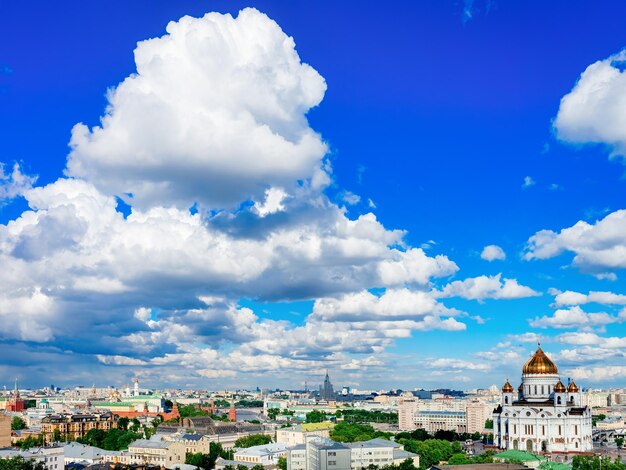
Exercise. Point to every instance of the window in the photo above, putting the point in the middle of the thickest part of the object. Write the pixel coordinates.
(332, 453)
(576, 431)
(332, 462)
(559, 429)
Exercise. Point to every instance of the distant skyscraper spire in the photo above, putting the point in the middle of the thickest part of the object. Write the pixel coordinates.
(326, 390)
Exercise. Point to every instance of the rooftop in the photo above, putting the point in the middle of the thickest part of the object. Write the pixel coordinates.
(373, 443)
(148, 444)
(266, 449)
(316, 426)
(521, 455)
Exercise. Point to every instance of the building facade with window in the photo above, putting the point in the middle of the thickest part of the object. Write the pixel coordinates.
(544, 415)
(324, 454)
(74, 426)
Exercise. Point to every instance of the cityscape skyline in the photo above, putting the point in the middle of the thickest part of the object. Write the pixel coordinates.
(221, 195)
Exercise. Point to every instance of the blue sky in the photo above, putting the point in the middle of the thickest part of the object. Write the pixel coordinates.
(440, 117)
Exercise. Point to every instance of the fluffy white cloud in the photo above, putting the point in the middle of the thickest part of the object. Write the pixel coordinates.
(574, 317)
(492, 253)
(456, 364)
(364, 305)
(578, 298)
(592, 339)
(414, 266)
(350, 198)
(274, 198)
(598, 374)
(597, 247)
(528, 182)
(487, 287)
(15, 183)
(215, 114)
(595, 110)
(525, 338)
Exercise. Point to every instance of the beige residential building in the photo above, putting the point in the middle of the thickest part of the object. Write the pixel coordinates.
(407, 408)
(194, 443)
(75, 425)
(596, 399)
(433, 421)
(151, 451)
(297, 435)
(477, 412)
(5, 430)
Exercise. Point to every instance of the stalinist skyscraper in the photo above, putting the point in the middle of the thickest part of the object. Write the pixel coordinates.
(326, 391)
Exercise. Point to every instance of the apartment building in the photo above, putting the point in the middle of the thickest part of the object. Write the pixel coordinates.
(267, 454)
(297, 435)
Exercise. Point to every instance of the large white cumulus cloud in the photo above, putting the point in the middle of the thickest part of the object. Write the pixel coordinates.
(215, 114)
(597, 247)
(595, 110)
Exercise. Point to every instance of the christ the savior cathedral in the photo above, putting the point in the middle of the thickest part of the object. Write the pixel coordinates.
(544, 415)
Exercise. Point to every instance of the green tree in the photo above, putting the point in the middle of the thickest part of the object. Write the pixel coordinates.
(272, 413)
(351, 432)
(18, 423)
(135, 425)
(30, 441)
(489, 424)
(122, 423)
(253, 440)
(431, 451)
(18, 463)
(249, 404)
(619, 442)
(56, 436)
(315, 416)
(257, 467)
(485, 457)
(365, 416)
(200, 460)
(596, 418)
(459, 459)
(282, 463)
(190, 411)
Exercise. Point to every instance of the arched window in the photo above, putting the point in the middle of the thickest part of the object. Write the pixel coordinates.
(535, 390)
(506, 400)
(558, 401)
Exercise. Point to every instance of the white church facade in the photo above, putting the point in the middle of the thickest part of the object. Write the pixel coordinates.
(544, 415)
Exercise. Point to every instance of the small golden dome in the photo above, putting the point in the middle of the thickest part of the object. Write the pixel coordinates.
(539, 364)
(572, 387)
(559, 387)
(507, 387)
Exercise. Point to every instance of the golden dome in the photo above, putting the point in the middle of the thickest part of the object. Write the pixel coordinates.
(559, 387)
(507, 387)
(539, 364)
(572, 387)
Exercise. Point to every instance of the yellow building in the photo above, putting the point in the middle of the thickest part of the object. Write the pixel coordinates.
(151, 452)
(75, 425)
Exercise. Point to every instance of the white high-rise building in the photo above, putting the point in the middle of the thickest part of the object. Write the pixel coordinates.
(544, 415)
